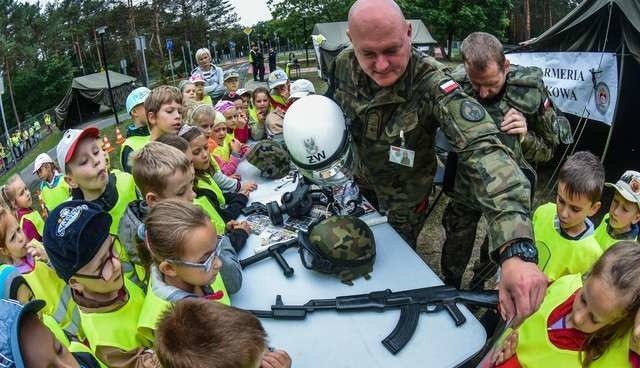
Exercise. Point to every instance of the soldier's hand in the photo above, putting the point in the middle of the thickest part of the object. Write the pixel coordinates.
(522, 287)
(514, 123)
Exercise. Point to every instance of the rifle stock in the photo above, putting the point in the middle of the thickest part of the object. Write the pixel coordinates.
(410, 302)
(275, 251)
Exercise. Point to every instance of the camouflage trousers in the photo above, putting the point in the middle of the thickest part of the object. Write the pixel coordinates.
(460, 224)
(407, 219)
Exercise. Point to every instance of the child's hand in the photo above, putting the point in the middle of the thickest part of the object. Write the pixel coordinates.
(236, 176)
(242, 122)
(236, 146)
(276, 359)
(36, 250)
(243, 226)
(508, 349)
(231, 225)
(248, 187)
(261, 116)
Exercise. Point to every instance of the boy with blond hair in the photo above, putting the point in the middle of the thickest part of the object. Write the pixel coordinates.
(621, 223)
(563, 231)
(163, 107)
(163, 172)
(198, 333)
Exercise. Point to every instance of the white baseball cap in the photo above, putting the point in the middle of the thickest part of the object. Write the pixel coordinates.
(301, 88)
(42, 159)
(136, 97)
(628, 186)
(70, 139)
(277, 78)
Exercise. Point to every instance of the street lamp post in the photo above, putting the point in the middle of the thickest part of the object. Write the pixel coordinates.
(4, 119)
(101, 31)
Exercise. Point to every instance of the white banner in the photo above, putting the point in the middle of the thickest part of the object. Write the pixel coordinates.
(579, 83)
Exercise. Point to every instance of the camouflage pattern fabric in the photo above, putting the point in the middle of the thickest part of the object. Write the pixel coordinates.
(524, 90)
(271, 158)
(416, 105)
(346, 238)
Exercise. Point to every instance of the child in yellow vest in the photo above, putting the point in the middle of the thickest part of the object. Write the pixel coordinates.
(138, 132)
(82, 253)
(164, 111)
(563, 231)
(583, 321)
(182, 252)
(200, 95)
(16, 196)
(222, 208)
(31, 260)
(28, 342)
(53, 189)
(621, 223)
(214, 335)
(84, 167)
(163, 172)
(258, 111)
(229, 150)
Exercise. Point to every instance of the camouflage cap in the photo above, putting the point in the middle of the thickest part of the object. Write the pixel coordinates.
(271, 158)
(348, 242)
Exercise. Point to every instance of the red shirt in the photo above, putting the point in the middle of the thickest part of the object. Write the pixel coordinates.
(28, 228)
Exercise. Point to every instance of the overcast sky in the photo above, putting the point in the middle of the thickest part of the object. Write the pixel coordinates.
(250, 11)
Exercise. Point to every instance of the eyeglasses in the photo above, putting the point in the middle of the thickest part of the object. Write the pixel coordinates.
(103, 265)
(207, 265)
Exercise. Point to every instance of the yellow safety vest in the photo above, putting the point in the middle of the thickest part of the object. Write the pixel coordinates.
(559, 256)
(212, 186)
(135, 142)
(47, 286)
(602, 235)
(253, 114)
(154, 307)
(53, 195)
(278, 100)
(536, 350)
(208, 208)
(126, 188)
(36, 219)
(117, 328)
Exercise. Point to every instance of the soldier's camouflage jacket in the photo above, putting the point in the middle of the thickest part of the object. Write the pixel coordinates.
(524, 90)
(417, 104)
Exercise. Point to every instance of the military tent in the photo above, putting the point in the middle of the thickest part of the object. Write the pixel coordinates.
(611, 26)
(88, 93)
(331, 38)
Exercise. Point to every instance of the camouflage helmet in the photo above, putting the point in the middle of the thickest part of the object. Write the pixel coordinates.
(340, 245)
(271, 158)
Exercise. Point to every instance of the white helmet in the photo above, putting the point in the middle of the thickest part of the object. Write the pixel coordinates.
(318, 141)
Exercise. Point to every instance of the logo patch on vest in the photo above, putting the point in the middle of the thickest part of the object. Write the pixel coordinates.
(471, 111)
(448, 87)
(67, 217)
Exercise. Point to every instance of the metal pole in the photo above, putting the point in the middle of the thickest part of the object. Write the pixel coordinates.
(304, 34)
(615, 111)
(190, 58)
(173, 77)
(6, 131)
(144, 61)
(184, 61)
(106, 71)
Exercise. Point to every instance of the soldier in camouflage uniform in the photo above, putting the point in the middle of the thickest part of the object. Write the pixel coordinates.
(517, 100)
(395, 98)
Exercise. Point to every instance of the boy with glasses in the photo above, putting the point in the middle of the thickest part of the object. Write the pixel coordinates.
(81, 251)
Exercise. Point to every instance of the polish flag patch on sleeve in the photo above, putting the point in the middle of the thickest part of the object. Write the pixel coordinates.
(547, 104)
(448, 87)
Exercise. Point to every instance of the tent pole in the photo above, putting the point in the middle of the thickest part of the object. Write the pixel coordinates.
(615, 111)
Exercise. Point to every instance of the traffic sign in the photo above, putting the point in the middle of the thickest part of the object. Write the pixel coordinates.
(169, 44)
(247, 30)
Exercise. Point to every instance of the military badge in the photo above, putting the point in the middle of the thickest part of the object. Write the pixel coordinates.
(471, 111)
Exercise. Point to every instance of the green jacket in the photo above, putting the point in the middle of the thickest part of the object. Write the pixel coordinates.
(524, 90)
(416, 105)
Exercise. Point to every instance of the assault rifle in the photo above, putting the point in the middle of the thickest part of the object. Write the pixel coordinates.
(410, 302)
(275, 251)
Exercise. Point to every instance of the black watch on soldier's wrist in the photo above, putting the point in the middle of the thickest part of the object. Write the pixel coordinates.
(522, 249)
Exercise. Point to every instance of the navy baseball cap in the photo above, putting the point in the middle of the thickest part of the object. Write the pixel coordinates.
(11, 314)
(73, 235)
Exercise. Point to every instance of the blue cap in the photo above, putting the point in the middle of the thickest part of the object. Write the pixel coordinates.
(11, 313)
(10, 279)
(136, 97)
(73, 235)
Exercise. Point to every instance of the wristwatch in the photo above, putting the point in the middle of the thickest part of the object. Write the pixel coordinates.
(522, 249)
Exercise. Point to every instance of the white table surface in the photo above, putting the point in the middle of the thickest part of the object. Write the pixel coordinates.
(332, 339)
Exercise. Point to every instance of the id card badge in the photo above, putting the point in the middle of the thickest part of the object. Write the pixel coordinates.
(401, 155)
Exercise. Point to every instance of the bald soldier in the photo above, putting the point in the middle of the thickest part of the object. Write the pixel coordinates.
(516, 98)
(395, 98)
